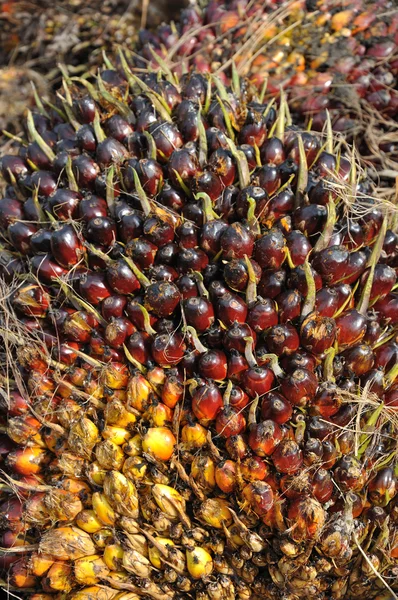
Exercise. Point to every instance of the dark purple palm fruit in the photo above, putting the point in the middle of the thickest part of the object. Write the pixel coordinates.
(237, 241)
(166, 138)
(221, 164)
(212, 229)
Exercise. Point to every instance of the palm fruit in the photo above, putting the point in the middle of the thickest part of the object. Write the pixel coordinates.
(201, 344)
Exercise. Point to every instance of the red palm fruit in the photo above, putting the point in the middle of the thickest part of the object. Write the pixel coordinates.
(373, 332)
(19, 234)
(187, 234)
(142, 251)
(199, 313)
(93, 287)
(79, 326)
(264, 437)
(254, 468)
(92, 207)
(309, 518)
(168, 350)
(331, 263)
(386, 355)
(183, 165)
(162, 298)
(206, 402)
(158, 232)
(117, 332)
(322, 485)
(329, 458)
(299, 386)
(236, 242)
(259, 496)
(121, 278)
(387, 308)
(270, 250)
(374, 378)
(225, 475)
(66, 246)
(391, 398)
(382, 487)
(349, 474)
(237, 364)
(234, 337)
(139, 346)
(31, 300)
(238, 398)
(276, 407)
(102, 231)
(268, 178)
(16, 404)
(236, 275)
(257, 381)
(187, 286)
(191, 259)
(326, 301)
(297, 280)
(282, 339)
(150, 174)
(113, 306)
(262, 314)
(272, 151)
(10, 210)
(351, 327)
(289, 305)
(310, 219)
(213, 365)
(221, 163)
(167, 138)
(272, 283)
(260, 198)
(358, 359)
(288, 457)
(229, 422)
(298, 360)
(312, 452)
(172, 198)
(230, 308)
(327, 400)
(317, 333)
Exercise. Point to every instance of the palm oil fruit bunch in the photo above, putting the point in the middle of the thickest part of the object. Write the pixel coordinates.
(199, 315)
(335, 55)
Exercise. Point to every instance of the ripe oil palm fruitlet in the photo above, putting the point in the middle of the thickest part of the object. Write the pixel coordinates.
(199, 313)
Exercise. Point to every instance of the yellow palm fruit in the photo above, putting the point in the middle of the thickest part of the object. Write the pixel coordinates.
(199, 562)
(88, 521)
(76, 486)
(203, 470)
(102, 538)
(83, 435)
(60, 577)
(41, 597)
(113, 556)
(90, 569)
(127, 596)
(159, 414)
(109, 455)
(136, 563)
(40, 563)
(93, 593)
(62, 505)
(115, 376)
(66, 543)
(117, 435)
(96, 473)
(169, 500)
(159, 442)
(155, 555)
(103, 510)
(138, 542)
(139, 392)
(121, 494)
(133, 446)
(193, 436)
(116, 414)
(234, 536)
(215, 512)
(135, 467)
